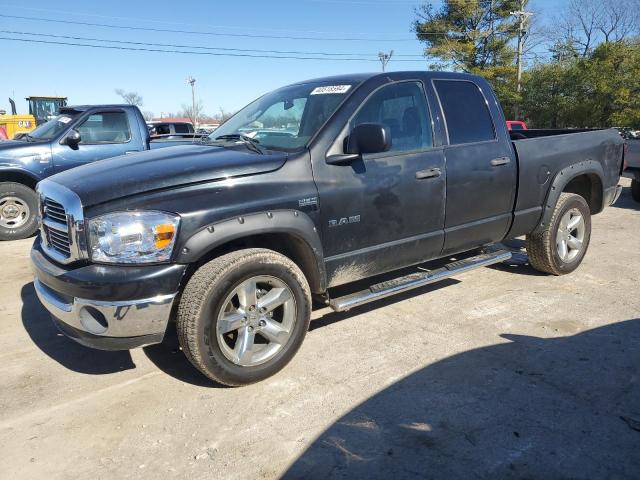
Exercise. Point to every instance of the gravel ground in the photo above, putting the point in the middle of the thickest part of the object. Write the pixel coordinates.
(498, 373)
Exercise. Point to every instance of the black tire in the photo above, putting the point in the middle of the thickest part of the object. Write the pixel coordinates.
(202, 301)
(541, 247)
(16, 229)
(635, 190)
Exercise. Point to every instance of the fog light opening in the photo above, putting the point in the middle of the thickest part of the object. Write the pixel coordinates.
(93, 320)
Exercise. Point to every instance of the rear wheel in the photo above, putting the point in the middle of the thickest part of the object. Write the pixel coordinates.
(18, 208)
(561, 246)
(243, 316)
(635, 190)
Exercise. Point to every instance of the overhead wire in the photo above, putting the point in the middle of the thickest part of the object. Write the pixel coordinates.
(198, 47)
(190, 52)
(216, 34)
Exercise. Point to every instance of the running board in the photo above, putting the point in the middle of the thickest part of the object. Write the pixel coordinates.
(416, 280)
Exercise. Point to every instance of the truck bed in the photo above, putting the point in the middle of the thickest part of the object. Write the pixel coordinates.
(547, 132)
(543, 154)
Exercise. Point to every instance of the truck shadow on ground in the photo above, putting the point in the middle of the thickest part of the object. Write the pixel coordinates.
(37, 322)
(626, 201)
(566, 407)
(168, 357)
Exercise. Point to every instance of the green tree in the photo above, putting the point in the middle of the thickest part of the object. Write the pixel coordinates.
(612, 75)
(599, 90)
(473, 36)
(549, 95)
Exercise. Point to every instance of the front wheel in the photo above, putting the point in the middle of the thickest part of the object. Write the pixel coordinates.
(243, 316)
(18, 209)
(560, 247)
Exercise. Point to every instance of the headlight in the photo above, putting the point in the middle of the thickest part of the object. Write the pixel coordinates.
(133, 237)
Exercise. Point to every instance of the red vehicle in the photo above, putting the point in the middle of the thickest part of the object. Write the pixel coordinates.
(516, 125)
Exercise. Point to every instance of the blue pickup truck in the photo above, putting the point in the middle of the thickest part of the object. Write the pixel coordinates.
(77, 136)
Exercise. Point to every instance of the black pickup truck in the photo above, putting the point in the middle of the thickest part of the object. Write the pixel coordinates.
(351, 177)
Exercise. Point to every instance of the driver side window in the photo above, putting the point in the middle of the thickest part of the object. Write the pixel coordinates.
(105, 127)
(402, 107)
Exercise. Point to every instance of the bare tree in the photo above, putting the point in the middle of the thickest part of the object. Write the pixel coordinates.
(148, 116)
(224, 115)
(584, 24)
(132, 98)
(193, 112)
(619, 20)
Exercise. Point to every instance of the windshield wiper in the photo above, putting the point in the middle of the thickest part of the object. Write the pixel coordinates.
(251, 143)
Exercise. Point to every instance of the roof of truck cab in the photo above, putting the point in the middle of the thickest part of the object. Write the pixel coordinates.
(361, 77)
(84, 108)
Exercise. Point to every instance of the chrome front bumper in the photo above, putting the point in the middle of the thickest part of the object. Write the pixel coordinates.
(108, 325)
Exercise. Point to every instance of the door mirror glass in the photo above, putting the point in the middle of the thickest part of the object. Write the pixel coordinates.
(73, 138)
(368, 138)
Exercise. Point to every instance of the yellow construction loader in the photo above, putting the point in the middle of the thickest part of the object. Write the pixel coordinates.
(41, 110)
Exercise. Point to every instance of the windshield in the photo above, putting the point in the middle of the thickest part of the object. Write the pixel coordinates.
(53, 127)
(287, 118)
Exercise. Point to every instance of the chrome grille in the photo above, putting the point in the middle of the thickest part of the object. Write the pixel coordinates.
(58, 240)
(55, 226)
(62, 226)
(55, 211)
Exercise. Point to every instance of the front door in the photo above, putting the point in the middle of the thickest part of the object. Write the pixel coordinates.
(386, 210)
(103, 135)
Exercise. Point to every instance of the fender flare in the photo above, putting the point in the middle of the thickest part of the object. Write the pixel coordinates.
(10, 169)
(292, 222)
(561, 180)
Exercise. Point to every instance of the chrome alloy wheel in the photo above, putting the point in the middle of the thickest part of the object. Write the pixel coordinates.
(570, 235)
(14, 212)
(256, 320)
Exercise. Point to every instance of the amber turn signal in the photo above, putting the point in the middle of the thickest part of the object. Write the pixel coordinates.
(163, 235)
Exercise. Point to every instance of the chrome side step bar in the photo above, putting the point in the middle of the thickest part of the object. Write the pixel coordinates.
(416, 280)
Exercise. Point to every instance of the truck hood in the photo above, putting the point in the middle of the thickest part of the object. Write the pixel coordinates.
(127, 175)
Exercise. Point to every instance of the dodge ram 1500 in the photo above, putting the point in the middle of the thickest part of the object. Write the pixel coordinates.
(231, 238)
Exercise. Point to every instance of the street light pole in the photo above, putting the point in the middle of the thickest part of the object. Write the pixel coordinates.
(384, 58)
(192, 81)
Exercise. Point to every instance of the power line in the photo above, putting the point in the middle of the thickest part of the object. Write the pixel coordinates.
(198, 47)
(167, 22)
(216, 34)
(188, 52)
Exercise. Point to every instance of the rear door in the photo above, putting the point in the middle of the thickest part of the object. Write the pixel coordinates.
(481, 168)
(385, 210)
(103, 134)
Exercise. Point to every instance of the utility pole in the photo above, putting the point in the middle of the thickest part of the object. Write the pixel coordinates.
(384, 58)
(192, 81)
(492, 29)
(522, 18)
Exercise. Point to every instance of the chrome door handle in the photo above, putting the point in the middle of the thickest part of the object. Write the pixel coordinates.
(496, 162)
(428, 173)
(131, 152)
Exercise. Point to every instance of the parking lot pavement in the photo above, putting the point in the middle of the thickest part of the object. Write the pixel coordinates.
(502, 372)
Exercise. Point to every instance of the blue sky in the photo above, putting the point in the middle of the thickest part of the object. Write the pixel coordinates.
(88, 75)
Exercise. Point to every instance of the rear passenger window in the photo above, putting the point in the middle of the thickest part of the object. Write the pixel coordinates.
(403, 108)
(465, 111)
(181, 128)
